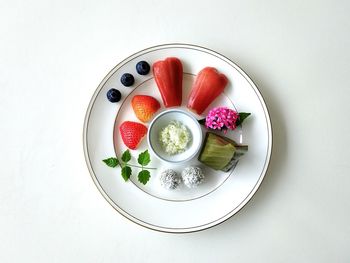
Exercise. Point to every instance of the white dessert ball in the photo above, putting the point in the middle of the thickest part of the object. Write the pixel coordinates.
(192, 176)
(169, 179)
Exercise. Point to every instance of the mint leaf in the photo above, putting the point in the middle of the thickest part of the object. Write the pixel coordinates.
(126, 172)
(111, 162)
(126, 156)
(242, 117)
(144, 176)
(144, 158)
(202, 121)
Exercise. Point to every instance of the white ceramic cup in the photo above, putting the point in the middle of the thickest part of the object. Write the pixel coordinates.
(161, 121)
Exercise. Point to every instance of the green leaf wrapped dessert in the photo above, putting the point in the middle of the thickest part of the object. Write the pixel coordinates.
(221, 153)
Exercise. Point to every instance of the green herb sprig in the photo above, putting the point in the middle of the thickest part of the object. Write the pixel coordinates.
(242, 117)
(143, 160)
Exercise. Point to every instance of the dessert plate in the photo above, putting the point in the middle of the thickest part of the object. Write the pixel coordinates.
(181, 210)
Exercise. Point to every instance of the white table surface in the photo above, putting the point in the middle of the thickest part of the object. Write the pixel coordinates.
(53, 54)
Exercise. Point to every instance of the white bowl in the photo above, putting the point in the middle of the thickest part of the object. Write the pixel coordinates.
(161, 121)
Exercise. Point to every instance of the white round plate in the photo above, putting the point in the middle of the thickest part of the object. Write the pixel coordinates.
(181, 210)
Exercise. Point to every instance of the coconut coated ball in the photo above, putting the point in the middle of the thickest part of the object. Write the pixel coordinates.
(192, 176)
(169, 179)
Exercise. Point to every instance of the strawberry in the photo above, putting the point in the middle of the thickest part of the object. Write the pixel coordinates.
(132, 133)
(144, 107)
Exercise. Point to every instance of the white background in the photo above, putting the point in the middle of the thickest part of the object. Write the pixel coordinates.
(53, 54)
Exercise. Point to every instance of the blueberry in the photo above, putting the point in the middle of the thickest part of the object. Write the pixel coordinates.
(127, 79)
(142, 68)
(114, 95)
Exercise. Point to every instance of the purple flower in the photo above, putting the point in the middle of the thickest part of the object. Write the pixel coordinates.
(221, 118)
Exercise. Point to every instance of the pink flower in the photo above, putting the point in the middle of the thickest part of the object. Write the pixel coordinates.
(221, 118)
